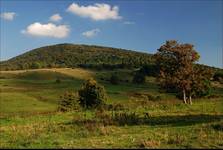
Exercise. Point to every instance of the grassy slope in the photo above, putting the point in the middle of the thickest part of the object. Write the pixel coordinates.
(28, 117)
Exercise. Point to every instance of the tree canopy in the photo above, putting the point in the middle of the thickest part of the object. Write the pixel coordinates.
(176, 63)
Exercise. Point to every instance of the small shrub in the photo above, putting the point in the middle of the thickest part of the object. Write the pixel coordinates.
(114, 107)
(58, 81)
(117, 118)
(218, 127)
(68, 101)
(139, 78)
(92, 95)
(127, 118)
(35, 65)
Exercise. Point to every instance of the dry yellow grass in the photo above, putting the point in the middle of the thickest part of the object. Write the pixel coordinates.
(76, 72)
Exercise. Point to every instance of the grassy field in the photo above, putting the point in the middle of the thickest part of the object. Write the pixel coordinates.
(29, 116)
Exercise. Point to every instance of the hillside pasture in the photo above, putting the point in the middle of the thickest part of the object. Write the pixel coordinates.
(141, 116)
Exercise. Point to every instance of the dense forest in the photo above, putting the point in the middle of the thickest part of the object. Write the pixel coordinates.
(70, 55)
(87, 56)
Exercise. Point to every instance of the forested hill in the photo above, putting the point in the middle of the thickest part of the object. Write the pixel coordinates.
(71, 55)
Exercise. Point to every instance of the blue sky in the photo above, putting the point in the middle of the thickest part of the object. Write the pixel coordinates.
(137, 25)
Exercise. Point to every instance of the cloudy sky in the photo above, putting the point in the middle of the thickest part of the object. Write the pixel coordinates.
(137, 25)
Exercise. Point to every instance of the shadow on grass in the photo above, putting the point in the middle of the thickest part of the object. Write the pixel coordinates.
(218, 127)
(185, 120)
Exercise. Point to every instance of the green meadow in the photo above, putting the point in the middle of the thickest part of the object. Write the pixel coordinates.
(29, 116)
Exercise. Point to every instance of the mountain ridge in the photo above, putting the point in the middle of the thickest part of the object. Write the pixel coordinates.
(73, 55)
(80, 55)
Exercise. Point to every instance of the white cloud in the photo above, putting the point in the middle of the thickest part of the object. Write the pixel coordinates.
(91, 33)
(47, 30)
(8, 15)
(129, 22)
(56, 18)
(95, 12)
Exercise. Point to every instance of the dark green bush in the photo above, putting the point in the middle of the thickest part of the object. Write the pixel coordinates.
(218, 76)
(58, 81)
(218, 127)
(92, 95)
(35, 65)
(149, 70)
(139, 78)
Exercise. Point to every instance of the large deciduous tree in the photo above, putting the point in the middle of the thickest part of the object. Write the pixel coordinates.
(177, 69)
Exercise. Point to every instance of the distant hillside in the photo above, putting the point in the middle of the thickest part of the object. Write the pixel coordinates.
(71, 55)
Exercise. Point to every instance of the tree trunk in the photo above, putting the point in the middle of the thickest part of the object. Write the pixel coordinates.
(190, 100)
(184, 93)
